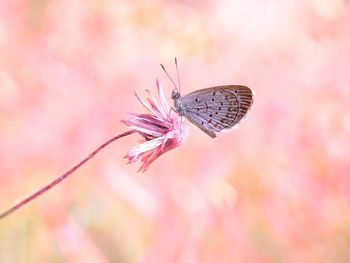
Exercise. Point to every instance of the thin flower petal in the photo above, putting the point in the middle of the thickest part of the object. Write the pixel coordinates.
(144, 147)
(164, 105)
(144, 103)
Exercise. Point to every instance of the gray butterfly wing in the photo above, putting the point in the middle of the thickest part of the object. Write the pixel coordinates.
(217, 108)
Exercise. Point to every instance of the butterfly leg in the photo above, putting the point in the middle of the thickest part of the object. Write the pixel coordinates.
(172, 109)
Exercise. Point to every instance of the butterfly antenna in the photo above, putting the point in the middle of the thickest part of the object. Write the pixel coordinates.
(169, 76)
(178, 76)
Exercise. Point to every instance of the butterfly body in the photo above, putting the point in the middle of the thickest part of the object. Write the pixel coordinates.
(216, 108)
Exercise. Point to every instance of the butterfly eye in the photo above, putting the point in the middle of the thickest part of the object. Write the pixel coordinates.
(175, 94)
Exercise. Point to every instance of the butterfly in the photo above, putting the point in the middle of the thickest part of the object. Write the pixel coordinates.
(212, 109)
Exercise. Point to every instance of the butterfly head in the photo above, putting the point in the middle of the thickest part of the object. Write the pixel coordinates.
(175, 94)
(179, 107)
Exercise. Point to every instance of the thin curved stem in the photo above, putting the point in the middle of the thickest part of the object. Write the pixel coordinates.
(63, 176)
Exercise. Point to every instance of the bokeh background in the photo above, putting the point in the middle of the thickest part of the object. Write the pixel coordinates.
(277, 189)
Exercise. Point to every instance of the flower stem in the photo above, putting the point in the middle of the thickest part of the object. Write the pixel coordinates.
(62, 177)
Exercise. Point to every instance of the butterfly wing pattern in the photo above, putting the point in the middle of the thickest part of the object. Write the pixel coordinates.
(217, 108)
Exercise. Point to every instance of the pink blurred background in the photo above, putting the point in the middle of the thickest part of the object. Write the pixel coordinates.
(277, 189)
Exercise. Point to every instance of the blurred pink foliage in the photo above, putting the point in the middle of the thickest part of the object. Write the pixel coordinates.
(274, 190)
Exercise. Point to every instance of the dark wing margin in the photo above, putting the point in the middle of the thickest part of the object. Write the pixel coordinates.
(245, 98)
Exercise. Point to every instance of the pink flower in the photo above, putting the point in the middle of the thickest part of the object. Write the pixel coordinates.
(162, 128)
